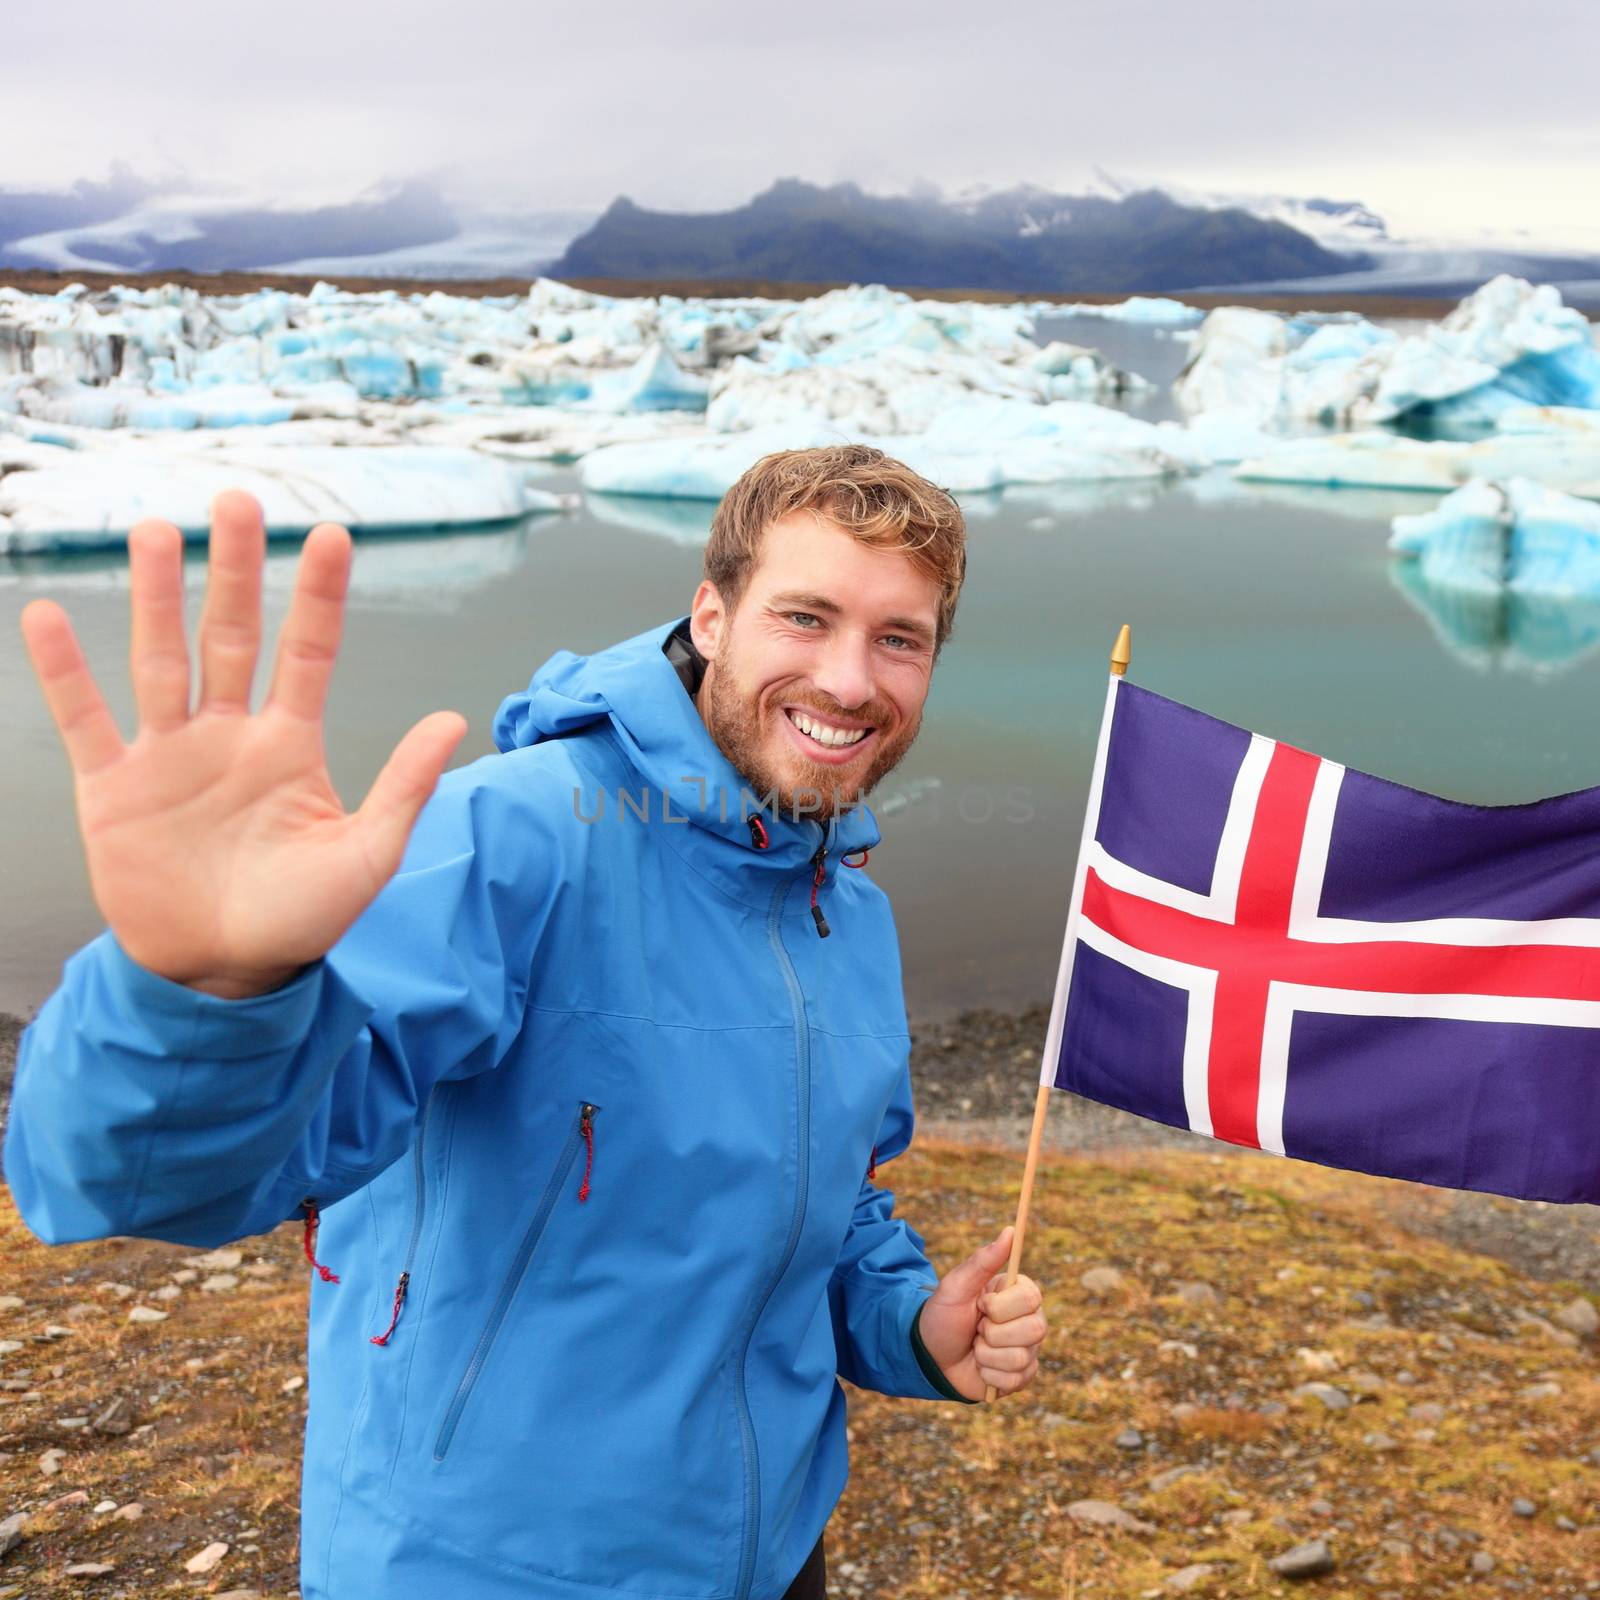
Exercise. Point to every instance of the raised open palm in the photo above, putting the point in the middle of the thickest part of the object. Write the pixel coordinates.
(218, 851)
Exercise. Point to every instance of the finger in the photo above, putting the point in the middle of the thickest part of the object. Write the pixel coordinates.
(1029, 1330)
(230, 623)
(400, 791)
(999, 1358)
(158, 653)
(1019, 1300)
(1009, 1382)
(82, 718)
(308, 643)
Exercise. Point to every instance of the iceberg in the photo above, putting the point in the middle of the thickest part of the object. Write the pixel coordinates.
(978, 444)
(1516, 535)
(1151, 311)
(1565, 458)
(1508, 345)
(90, 499)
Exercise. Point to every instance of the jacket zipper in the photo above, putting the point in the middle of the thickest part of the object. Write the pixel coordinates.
(747, 1435)
(519, 1266)
(419, 1176)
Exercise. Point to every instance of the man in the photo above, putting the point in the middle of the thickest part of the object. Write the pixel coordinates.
(588, 1098)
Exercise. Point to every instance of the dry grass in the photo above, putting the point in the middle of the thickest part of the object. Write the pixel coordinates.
(946, 1501)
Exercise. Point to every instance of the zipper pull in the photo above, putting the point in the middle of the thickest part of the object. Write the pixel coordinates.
(586, 1128)
(309, 1240)
(819, 864)
(394, 1315)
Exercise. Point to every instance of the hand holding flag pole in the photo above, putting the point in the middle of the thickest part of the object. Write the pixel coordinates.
(1121, 654)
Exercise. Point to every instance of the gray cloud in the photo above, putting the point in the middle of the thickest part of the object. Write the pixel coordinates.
(699, 103)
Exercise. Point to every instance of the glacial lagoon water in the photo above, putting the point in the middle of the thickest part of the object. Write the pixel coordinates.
(1278, 610)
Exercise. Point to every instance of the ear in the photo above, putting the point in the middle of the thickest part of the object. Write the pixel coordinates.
(708, 619)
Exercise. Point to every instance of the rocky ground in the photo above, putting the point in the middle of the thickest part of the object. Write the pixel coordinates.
(1264, 1377)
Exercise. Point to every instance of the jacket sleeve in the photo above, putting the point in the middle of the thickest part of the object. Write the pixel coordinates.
(882, 1278)
(144, 1107)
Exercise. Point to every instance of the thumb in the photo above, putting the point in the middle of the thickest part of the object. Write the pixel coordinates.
(408, 778)
(971, 1278)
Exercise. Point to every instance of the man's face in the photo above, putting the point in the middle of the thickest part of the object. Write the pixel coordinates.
(815, 684)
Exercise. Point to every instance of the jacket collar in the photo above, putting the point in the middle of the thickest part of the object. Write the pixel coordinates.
(636, 693)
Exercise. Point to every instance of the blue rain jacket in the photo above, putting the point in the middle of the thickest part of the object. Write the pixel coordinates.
(588, 1086)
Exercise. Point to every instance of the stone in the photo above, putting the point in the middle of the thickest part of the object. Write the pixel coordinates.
(1179, 1347)
(1541, 1391)
(9, 1347)
(1482, 1562)
(11, 1302)
(50, 1461)
(167, 1291)
(186, 1275)
(1310, 1560)
(12, 1530)
(128, 1513)
(53, 1331)
(1523, 1508)
(1130, 1439)
(1381, 1442)
(1317, 1360)
(207, 1559)
(116, 1417)
(90, 1569)
(1334, 1398)
(1103, 1514)
(78, 1497)
(1427, 1411)
(223, 1260)
(1579, 1316)
(105, 1506)
(239, 1594)
(1198, 1294)
(1237, 1518)
(219, 1283)
(1191, 1577)
(146, 1314)
(1165, 1480)
(1101, 1282)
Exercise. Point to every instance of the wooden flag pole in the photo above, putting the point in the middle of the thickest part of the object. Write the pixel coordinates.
(1121, 654)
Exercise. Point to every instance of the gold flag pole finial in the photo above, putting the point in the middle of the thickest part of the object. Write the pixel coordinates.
(1121, 655)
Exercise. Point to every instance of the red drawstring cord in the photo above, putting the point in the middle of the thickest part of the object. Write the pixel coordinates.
(857, 864)
(394, 1316)
(872, 1164)
(586, 1127)
(326, 1274)
(758, 833)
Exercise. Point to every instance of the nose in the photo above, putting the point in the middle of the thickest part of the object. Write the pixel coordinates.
(844, 670)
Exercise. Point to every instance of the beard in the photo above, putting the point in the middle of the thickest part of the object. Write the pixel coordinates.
(801, 788)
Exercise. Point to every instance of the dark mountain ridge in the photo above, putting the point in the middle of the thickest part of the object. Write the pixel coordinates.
(1026, 240)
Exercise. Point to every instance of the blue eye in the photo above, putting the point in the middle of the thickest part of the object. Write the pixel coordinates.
(804, 615)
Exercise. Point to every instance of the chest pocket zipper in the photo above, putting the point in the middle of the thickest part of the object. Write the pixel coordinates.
(581, 1137)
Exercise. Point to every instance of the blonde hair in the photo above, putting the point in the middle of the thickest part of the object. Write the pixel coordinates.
(873, 497)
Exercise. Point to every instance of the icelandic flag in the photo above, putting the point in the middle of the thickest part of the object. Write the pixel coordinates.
(1272, 949)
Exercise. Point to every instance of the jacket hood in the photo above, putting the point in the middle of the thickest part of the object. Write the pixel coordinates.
(634, 690)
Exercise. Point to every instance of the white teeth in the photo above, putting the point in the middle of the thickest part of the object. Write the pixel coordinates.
(824, 734)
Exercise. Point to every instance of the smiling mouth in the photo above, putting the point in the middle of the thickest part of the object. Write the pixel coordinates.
(825, 735)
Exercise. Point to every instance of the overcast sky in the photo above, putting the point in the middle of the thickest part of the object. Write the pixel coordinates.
(1446, 115)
